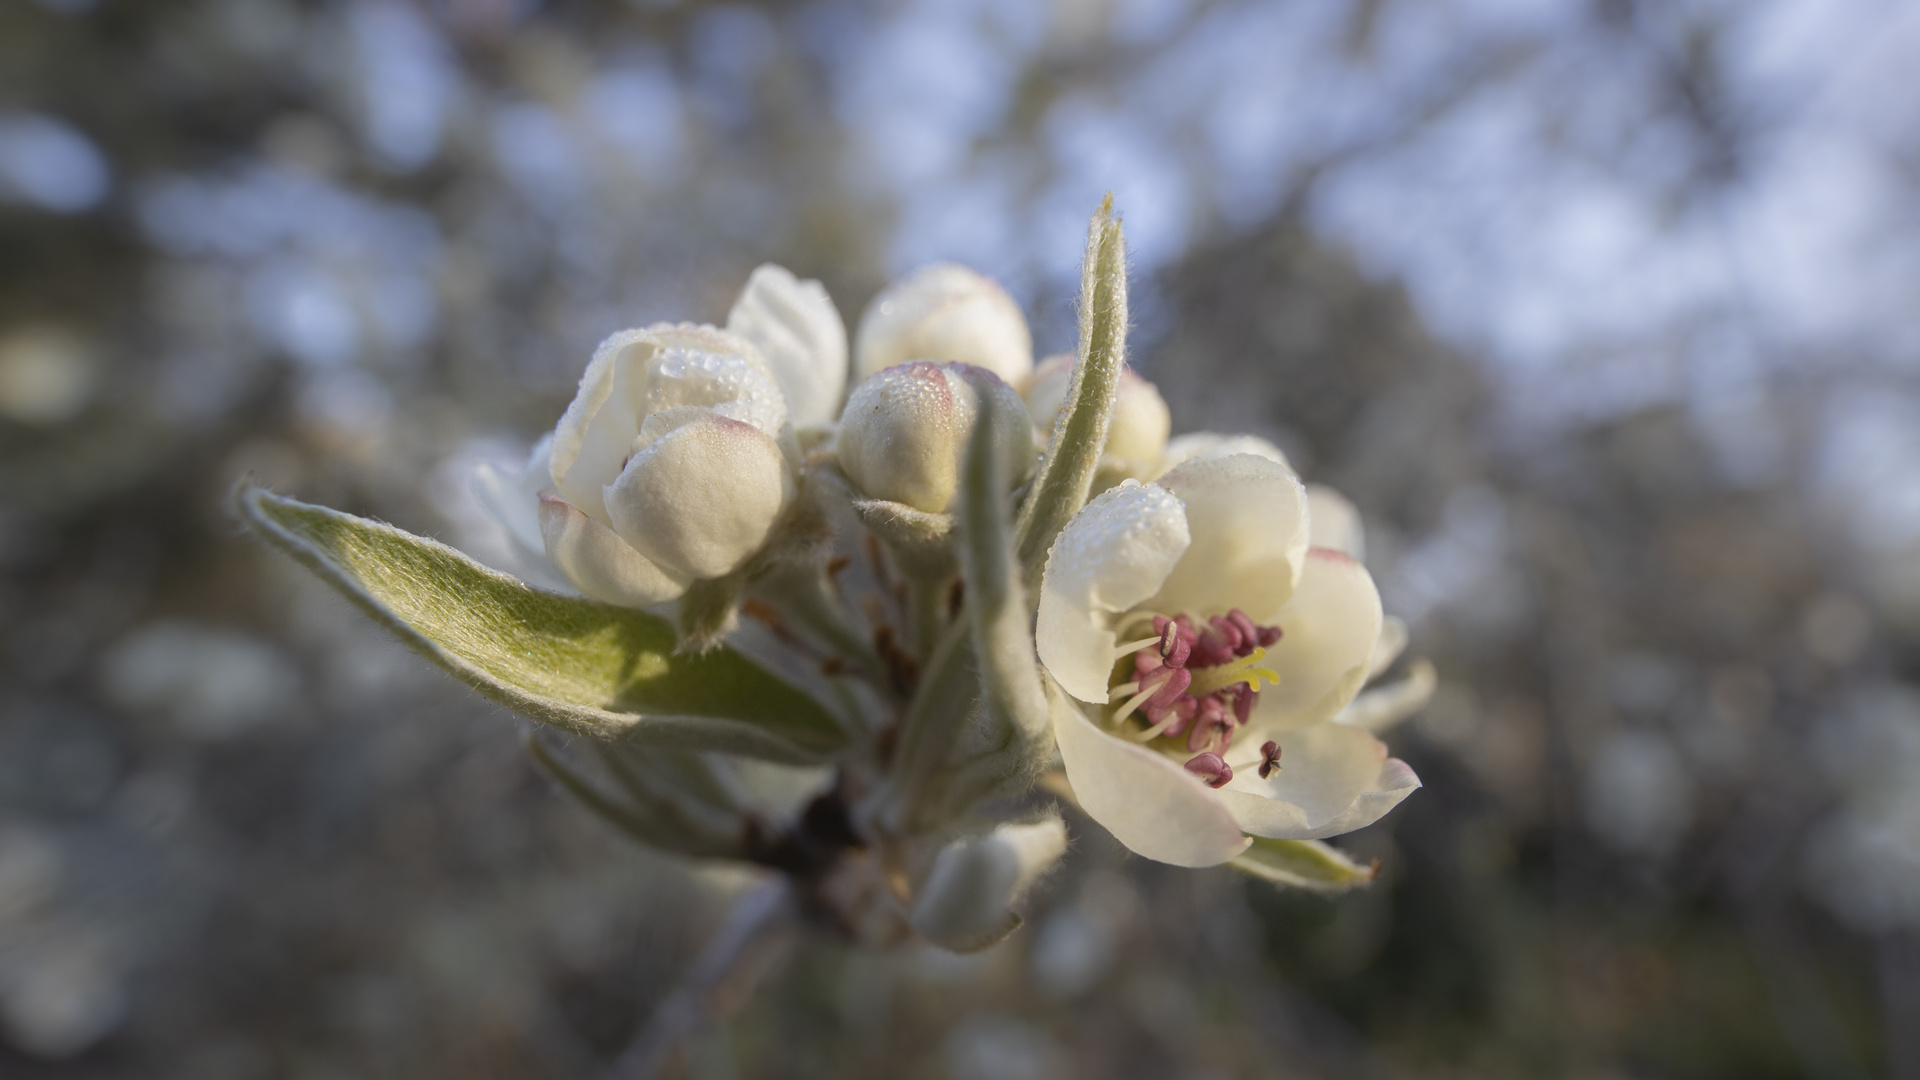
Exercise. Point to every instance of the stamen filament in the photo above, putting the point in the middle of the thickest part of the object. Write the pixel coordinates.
(1131, 647)
(1122, 690)
(1156, 730)
(1132, 703)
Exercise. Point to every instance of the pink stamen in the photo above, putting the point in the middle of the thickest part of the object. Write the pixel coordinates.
(1212, 768)
(1163, 689)
(1269, 758)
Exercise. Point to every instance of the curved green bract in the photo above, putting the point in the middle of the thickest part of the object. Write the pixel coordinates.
(1303, 864)
(575, 664)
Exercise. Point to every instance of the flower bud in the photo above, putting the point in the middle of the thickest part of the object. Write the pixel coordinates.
(671, 465)
(1137, 430)
(964, 903)
(701, 492)
(905, 430)
(944, 312)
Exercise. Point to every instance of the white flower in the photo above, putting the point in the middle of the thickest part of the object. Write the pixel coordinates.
(677, 455)
(800, 336)
(905, 429)
(1241, 644)
(672, 464)
(1136, 429)
(945, 312)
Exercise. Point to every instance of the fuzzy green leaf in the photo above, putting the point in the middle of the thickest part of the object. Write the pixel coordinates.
(1303, 864)
(1065, 479)
(1016, 706)
(577, 665)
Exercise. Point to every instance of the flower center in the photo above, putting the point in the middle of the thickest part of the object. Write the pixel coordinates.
(1197, 680)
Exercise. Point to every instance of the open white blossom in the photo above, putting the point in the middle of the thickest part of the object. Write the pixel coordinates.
(1208, 647)
(905, 429)
(945, 312)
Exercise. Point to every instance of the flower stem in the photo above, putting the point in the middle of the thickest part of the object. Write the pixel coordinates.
(755, 915)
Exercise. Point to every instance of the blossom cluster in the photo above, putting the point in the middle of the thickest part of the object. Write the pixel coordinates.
(1003, 579)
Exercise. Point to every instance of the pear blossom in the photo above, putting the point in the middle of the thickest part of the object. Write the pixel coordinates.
(1195, 654)
(945, 312)
(1205, 647)
(905, 429)
(677, 457)
(1136, 429)
(672, 464)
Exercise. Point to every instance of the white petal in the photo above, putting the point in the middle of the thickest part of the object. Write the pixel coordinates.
(1329, 629)
(798, 331)
(704, 365)
(514, 499)
(1207, 444)
(598, 563)
(945, 312)
(1384, 706)
(593, 439)
(1391, 643)
(1144, 798)
(700, 500)
(1331, 780)
(1248, 516)
(1336, 522)
(1113, 554)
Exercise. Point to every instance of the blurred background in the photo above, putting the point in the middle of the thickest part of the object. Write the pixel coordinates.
(1606, 313)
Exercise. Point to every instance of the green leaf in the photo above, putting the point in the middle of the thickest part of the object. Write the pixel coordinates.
(1016, 705)
(979, 726)
(1303, 864)
(575, 664)
(1065, 479)
(652, 821)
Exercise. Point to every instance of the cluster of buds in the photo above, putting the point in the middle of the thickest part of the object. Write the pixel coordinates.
(931, 591)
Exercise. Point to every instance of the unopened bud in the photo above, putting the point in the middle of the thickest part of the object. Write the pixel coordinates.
(701, 491)
(905, 430)
(944, 312)
(964, 904)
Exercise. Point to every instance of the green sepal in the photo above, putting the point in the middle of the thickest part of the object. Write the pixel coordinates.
(1017, 743)
(654, 820)
(1303, 864)
(577, 665)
